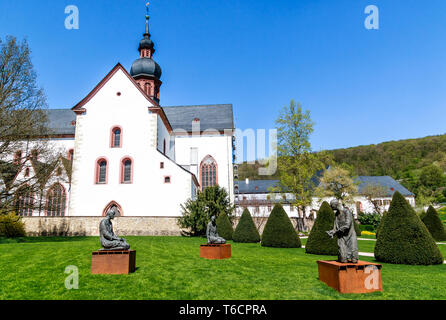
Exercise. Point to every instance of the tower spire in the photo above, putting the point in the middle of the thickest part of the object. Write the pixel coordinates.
(145, 71)
(147, 20)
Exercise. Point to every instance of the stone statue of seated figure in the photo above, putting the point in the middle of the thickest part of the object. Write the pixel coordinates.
(211, 233)
(109, 240)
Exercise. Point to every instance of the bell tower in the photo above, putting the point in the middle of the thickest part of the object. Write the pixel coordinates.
(146, 72)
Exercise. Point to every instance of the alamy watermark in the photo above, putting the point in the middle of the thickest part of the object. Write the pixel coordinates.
(372, 20)
(72, 281)
(72, 20)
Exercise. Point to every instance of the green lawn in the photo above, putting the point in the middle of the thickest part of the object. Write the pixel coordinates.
(171, 268)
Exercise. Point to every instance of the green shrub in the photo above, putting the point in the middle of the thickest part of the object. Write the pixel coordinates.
(224, 226)
(319, 242)
(369, 219)
(403, 238)
(434, 224)
(197, 213)
(11, 226)
(246, 230)
(279, 231)
(368, 227)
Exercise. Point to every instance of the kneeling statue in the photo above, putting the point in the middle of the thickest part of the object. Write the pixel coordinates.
(211, 233)
(344, 230)
(109, 240)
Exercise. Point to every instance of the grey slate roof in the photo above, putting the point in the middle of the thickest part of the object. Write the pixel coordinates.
(60, 121)
(384, 181)
(218, 117)
(256, 186)
(262, 186)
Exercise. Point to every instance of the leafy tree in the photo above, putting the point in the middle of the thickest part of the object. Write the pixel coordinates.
(337, 182)
(246, 230)
(197, 213)
(432, 177)
(224, 226)
(318, 241)
(279, 231)
(297, 164)
(403, 238)
(434, 224)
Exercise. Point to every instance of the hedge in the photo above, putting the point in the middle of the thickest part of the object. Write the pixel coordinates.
(246, 231)
(318, 241)
(403, 238)
(433, 223)
(224, 226)
(279, 231)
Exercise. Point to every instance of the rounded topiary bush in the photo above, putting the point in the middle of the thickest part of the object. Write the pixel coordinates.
(279, 231)
(224, 226)
(318, 241)
(246, 230)
(403, 238)
(11, 226)
(434, 224)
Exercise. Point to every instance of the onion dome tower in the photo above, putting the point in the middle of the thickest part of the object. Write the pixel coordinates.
(145, 70)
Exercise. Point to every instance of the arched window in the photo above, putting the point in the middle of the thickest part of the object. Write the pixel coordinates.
(148, 88)
(56, 199)
(208, 172)
(25, 202)
(120, 212)
(101, 171)
(116, 137)
(126, 170)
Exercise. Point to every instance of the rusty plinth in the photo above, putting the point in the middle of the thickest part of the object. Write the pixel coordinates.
(113, 262)
(361, 277)
(215, 251)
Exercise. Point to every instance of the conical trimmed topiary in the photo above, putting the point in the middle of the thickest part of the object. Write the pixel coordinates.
(434, 224)
(279, 231)
(246, 230)
(224, 226)
(403, 238)
(318, 241)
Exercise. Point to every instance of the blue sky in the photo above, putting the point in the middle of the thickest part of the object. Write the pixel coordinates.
(361, 86)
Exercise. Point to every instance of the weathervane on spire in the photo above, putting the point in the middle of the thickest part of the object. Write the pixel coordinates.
(147, 19)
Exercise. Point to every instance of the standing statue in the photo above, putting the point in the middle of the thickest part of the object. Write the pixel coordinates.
(344, 230)
(109, 240)
(211, 233)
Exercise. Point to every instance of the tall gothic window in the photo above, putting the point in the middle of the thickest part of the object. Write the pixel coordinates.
(208, 172)
(116, 138)
(101, 171)
(25, 202)
(55, 205)
(126, 171)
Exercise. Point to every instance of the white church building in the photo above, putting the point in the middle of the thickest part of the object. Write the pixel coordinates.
(123, 148)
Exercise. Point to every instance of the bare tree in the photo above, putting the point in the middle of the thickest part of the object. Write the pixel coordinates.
(24, 126)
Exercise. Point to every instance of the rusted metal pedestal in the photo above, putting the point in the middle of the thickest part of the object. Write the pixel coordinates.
(215, 251)
(113, 262)
(361, 277)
